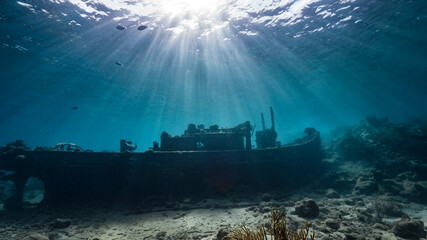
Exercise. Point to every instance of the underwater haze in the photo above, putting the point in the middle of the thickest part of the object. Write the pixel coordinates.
(93, 72)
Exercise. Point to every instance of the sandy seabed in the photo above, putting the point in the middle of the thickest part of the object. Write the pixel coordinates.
(340, 217)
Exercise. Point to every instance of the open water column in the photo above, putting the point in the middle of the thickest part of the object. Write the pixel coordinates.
(92, 72)
(81, 75)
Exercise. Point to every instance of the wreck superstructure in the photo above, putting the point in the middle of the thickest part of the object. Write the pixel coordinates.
(199, 164)
(213, 138)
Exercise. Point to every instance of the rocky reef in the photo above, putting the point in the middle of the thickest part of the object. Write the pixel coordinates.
(393, 157)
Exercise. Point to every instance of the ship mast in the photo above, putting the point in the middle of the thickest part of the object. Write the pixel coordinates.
(272, 119)
(263, 123)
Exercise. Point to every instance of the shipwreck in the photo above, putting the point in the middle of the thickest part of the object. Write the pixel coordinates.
(201, 163)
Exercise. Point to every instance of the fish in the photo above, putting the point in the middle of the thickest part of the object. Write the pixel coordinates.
(75, 108)
(120, 27)
(119, 63)
(142, 27)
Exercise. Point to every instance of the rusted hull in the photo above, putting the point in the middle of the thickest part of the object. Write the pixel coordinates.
(132, 177)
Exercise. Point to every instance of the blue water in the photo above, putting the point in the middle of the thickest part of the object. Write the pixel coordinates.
(68, 74)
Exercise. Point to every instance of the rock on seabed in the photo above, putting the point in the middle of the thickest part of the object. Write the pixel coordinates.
(408, 228)
(307, 208)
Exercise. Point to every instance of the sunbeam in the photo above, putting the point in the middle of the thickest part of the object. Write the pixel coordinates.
(168, 63)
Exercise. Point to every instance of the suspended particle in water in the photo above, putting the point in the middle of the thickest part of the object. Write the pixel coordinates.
(75, 108)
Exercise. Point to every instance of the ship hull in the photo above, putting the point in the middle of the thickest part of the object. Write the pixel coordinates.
(73, 177)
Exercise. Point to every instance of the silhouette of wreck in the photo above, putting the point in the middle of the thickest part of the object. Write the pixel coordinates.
(202, 163)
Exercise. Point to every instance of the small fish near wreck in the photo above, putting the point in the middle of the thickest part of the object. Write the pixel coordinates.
(121, 27)
(142, 27)
(201, 163)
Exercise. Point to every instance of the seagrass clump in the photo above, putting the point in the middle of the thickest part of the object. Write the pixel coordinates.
(277, 231)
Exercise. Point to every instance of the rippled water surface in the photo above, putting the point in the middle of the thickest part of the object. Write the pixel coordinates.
(95, 71)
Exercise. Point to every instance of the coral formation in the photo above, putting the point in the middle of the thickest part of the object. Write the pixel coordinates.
(277, 231)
